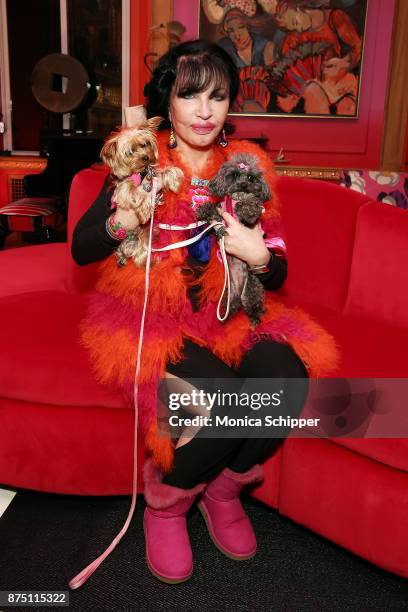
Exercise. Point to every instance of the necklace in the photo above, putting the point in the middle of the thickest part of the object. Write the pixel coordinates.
(198, 192)
(199, 181)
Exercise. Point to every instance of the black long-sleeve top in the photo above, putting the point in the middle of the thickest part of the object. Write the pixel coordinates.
(91, 243)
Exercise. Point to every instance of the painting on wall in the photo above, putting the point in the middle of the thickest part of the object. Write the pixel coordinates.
(298, 58)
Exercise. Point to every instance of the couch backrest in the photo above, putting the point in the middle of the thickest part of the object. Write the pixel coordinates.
(319, 219)
(84, 190)
(378, 286)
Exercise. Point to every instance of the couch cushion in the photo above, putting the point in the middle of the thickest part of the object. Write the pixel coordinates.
(379, 275)
(319, 221)
(389, 451)
(42, 359)
(368, 350)
(33, 268)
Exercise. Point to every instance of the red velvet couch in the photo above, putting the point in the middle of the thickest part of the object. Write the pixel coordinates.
(61, 432)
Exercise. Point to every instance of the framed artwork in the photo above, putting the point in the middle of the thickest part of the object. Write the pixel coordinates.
(296, 58)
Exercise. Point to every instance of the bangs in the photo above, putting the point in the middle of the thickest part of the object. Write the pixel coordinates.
(197, 73)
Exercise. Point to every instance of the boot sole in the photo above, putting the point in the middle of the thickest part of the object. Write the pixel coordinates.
(164, 578)
(216, 543)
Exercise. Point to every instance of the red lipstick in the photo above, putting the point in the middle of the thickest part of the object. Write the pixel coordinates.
(203, 128)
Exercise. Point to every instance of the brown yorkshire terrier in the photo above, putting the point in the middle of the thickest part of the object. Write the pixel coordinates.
(131, 153)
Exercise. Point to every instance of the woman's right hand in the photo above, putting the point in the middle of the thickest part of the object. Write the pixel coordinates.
(127, 218)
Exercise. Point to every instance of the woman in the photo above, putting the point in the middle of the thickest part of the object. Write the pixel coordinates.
(193, 87)
(313, 68)
(245, 46)
(250, 52)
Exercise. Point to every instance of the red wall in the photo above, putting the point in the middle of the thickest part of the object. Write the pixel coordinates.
(328, 142)
(140, 23)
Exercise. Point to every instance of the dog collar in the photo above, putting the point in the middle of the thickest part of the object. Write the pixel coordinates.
(136, 178)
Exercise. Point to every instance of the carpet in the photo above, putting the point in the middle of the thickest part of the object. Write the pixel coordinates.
(46, 539)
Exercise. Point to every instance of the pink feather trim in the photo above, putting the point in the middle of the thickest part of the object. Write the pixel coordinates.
(159, 495)
(255, 474)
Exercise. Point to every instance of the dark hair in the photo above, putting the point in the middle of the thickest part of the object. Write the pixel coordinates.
(253, 24)
(283, 5)
(203, 64)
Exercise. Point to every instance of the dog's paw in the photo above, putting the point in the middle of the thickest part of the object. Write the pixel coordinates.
(121, 260)
(206, 212)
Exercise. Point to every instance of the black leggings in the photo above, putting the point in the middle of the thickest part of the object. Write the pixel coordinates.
(203, 458)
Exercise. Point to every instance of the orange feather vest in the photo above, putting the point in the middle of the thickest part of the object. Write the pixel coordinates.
(111, 327)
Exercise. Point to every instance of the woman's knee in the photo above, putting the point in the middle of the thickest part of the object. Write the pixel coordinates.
(270, 359)
(199, 362)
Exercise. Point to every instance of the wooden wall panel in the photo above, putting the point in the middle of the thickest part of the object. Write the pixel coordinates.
(162, 11)
(405, 155)
(394, 153)
(12, 171)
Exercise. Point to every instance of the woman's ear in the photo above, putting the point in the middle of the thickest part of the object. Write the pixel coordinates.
(217, 185)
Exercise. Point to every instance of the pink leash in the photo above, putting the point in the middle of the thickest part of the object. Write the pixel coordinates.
(83, 576)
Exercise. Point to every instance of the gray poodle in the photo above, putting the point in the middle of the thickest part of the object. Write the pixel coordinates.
(240, 178)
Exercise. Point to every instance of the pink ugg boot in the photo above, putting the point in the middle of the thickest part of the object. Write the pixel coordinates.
(168, 550)
(228, 525)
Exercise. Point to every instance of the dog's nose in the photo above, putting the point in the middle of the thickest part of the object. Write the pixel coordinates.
(145, 158)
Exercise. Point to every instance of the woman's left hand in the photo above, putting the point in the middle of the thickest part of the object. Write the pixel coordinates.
(244, 242)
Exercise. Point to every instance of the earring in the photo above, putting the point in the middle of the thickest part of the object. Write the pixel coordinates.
(172, 141)
(223, 139)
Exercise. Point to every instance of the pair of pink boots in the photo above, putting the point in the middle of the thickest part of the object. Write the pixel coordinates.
(168, 550)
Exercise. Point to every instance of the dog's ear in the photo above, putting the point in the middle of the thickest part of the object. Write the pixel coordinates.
(111, 157)
(217, 185)
(109, 150)
(154, 122)
(265, 192)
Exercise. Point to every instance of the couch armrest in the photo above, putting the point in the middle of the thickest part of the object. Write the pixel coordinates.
(378, 287)
(33, 268)
(319, 219)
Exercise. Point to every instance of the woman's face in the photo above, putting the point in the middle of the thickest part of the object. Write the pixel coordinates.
(238, 33)
(293, 20)
(198, 118)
